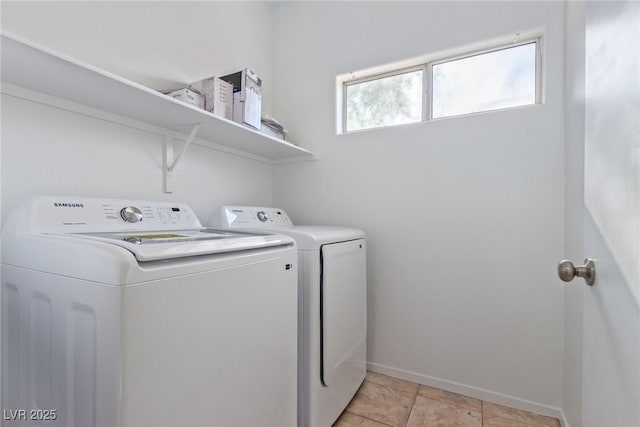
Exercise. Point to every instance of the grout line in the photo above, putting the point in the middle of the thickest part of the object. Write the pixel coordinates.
(452, 405)
(411, 408)
(482, 413)
(363, 416)
(371, 419)
(392, 387)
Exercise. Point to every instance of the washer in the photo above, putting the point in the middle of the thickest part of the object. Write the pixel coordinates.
(130, 313)
(333, 308)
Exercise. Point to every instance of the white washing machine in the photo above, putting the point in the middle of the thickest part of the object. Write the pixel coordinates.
(130, 313)
(333, 308)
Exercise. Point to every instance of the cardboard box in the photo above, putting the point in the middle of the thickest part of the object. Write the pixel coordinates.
(247, 97)
(218, 96)
(188, 95)
(247, 108)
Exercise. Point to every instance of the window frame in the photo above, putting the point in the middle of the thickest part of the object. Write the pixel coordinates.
(427, 79)
(380, 76)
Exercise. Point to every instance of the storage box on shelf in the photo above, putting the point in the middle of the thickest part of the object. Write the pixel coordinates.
(186, 95)
(218, 96)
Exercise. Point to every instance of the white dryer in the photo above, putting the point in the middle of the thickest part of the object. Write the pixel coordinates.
(130, 313)
(333, 308)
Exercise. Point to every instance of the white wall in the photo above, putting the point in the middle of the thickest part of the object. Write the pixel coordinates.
(464, 216)
(48, 150)
(574, 208)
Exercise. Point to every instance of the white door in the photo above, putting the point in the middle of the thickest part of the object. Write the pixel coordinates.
(611, 316)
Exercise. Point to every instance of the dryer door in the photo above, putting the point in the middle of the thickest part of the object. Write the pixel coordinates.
(343, 311)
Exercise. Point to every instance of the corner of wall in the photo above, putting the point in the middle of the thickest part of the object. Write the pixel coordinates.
(574, 116)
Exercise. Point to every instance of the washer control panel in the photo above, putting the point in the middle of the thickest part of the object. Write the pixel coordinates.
(88, 214)
(150, 214)
(253, 217)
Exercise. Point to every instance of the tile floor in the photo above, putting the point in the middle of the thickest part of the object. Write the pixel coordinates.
(384, 401)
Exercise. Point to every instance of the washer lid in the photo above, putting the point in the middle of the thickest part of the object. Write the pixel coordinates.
(166, 244)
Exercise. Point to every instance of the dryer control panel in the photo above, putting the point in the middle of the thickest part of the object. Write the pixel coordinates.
(252, 217)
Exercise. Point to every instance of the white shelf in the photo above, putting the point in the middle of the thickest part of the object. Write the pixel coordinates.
(47, 72)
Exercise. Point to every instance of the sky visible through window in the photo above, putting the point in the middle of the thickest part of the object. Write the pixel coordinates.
(490, 81)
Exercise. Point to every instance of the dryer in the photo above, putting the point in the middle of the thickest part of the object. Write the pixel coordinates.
(130, 313)
(332, 308)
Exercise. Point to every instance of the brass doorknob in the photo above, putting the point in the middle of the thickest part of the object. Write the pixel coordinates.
(567, 271)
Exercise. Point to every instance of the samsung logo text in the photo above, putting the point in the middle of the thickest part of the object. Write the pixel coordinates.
(68, 205)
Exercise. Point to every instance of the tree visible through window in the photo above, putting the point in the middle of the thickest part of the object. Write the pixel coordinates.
(392, 100)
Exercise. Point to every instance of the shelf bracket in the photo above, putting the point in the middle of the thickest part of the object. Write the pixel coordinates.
(169, 161)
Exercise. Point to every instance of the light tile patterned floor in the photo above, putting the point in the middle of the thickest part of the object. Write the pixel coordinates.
(384, 401)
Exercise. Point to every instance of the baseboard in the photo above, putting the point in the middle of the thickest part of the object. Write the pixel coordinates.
(470, 391)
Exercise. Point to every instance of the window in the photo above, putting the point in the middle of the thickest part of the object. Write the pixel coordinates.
(493, 79)
(384, 100)
(488, 81)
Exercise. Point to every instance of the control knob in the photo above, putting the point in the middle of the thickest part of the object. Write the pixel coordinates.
(131, 214)
(262, 216)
